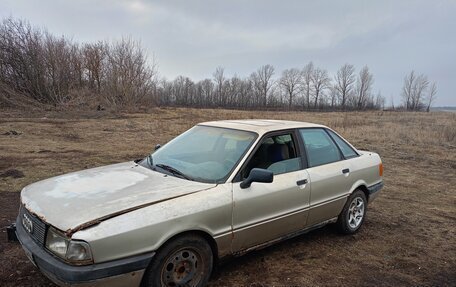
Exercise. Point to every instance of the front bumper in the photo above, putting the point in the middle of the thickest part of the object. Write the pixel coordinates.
(123, 272)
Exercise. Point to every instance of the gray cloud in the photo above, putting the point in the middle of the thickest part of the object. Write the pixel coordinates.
(194, 37)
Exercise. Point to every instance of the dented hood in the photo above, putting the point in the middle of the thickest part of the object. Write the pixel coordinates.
(75, 200)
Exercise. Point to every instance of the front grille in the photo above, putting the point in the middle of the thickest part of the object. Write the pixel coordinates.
(39, 227)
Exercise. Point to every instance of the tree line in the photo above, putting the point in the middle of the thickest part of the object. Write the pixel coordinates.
(418, 93)
(309, 88)
(56, 70)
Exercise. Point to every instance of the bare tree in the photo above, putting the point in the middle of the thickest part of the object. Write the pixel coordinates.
(414, 92)
(234, 87)
(407, 89)
(208, 92)
(76, 66)
(165, 93)
(263, 82)
(95, 61)
(58, 72)
(178, 90)
(364, 87)
(320, 81)
(219, 79)
(418, 92)
(189, 92)
(333, 96)
(21, 63)
(307, 82)
(379, 101)
(290, 81)
(246, 93)
(129, 79)
(345, 79)
(432, 96)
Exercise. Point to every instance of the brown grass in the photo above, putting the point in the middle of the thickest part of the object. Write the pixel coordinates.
(408, 238)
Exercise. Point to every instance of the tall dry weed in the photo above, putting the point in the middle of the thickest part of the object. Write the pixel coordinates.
(448, 132)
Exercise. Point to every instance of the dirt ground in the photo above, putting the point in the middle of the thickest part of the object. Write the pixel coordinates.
(409, 236)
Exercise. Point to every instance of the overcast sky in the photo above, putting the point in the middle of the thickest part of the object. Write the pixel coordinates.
(192, 38)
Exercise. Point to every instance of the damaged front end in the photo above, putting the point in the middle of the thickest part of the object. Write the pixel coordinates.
(57, 214)
(69, 262)
(53, 240)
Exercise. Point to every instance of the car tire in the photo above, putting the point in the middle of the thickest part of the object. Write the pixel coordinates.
(353, 214)
(184, 261)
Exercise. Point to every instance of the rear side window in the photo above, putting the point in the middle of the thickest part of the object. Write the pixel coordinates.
(320, 147)
(347, 150)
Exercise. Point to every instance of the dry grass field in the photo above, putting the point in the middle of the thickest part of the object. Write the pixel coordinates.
(409, 237)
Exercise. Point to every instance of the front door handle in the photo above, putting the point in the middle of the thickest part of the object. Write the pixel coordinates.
(301, 182)
(347, 170)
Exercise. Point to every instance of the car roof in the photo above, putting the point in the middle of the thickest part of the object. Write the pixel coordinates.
(260, 126)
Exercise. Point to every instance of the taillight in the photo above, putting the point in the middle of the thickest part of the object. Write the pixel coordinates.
(380, 169)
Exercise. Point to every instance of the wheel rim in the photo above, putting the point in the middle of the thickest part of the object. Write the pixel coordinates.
(356, 212)
(183, 268)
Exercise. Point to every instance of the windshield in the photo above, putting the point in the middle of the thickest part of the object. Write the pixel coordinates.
(203, 153)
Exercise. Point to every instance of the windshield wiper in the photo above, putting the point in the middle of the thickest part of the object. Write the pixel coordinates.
(173, 171)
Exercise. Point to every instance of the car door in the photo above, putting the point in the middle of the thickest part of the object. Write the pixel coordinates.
(266, 211)
(329, 175)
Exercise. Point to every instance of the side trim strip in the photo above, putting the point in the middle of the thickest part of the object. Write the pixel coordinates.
(249, 225)
(307, 208)
(328, 201)
(285, 237)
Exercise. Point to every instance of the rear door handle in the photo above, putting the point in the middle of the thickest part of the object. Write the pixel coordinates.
(347, 170)
(301, 182)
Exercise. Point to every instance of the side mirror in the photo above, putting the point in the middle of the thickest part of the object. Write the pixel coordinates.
(157, 146)
(257, 175)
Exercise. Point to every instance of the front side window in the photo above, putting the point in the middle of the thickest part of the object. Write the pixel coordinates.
(203, 153)
(347, 150)
(276, 153)
(319, 146)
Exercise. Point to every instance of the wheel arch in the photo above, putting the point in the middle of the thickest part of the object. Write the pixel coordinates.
(341, 223)
(364, 189)
(200, 233)
(361, 185)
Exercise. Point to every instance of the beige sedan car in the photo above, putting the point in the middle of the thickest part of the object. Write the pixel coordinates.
(219, 189)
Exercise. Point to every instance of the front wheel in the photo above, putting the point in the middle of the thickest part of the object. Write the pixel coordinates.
(352, 216)
(184, 261)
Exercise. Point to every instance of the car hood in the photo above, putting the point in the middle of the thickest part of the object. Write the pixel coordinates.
(76, 200)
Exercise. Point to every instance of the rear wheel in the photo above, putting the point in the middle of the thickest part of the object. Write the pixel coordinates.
(184, 261)
(352, 216)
